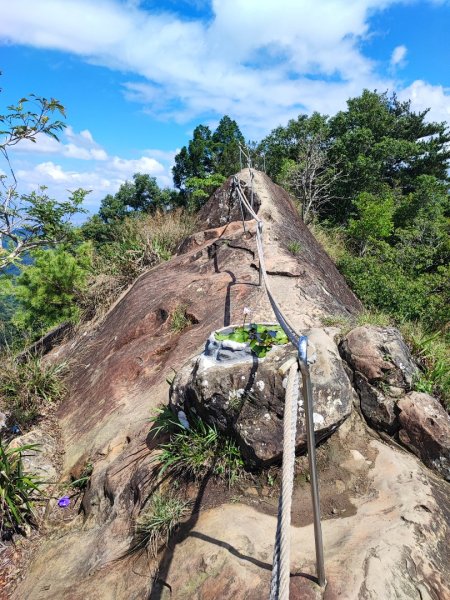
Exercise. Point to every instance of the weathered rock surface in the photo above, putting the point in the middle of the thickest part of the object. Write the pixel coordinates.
(117, 379)
(383, 371)
(425, 430)
(373, 553)
(246, 397)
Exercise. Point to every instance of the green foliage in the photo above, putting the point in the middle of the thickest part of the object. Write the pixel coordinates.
(226, 140)
(179, 320)
(208, 154)
(294, 248)
(375, 219)
(196, 452)
(283, 145)
(199, 190)
(46, 291)
(158, 520)
(433, 353)
(34, 220)
(195, 160)
(26, 388)
(260, 337)
(380, 283)
(379, 141)
(18, 490)
(141, 195)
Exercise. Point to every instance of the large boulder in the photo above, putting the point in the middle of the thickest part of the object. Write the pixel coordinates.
(383, 372)
(246, 396)
(425, 430)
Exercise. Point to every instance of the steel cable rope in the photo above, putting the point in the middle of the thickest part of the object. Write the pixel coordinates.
(281, 561)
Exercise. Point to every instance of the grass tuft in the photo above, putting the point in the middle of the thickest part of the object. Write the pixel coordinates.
(295, 248)
(158, 521)
(432, 351)
(196, 452)
(179, 319)
(373, 317)
(26, 388)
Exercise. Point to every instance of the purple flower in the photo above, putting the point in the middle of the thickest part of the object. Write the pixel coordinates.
(64, 502)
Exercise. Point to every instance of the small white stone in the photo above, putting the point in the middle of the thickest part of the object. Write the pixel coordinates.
(318, 419)
(260, 385)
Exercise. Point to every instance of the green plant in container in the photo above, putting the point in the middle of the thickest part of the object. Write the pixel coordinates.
(261, 338)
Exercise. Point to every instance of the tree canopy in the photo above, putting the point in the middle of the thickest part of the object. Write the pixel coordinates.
(209, 153)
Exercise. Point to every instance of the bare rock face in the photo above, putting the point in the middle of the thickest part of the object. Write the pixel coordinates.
(246, 397)
(425, 430)
(371, 552)
(383, 372)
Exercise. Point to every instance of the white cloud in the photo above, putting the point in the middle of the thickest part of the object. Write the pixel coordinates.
(102, 178)
(260, 62)
(398, 56)
(423, 95)
(72, 145)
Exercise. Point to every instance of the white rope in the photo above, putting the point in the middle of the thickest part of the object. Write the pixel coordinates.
(279, 587)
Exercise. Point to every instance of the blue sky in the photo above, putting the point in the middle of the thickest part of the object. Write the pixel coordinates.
(137, 77)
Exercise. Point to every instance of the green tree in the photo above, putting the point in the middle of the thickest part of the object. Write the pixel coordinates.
(195, 160)
(226, 140)
(380, 141)
(46, 291)
(289, 142)
(140, 195)
(34, 220)
(208, 154)
(199, 190)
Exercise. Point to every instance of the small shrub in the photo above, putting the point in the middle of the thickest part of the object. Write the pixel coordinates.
(196, 452)
(25, 389)
(155, 525)
(294, 248)
(17, 491)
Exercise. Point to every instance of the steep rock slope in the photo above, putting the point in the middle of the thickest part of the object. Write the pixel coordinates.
(117, 379)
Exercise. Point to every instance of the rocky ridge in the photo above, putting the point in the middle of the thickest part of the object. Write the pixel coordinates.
(381, 499)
